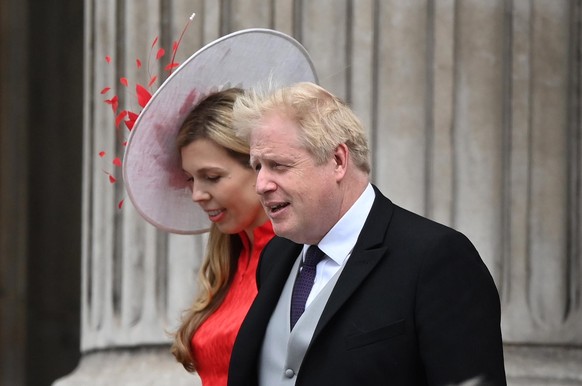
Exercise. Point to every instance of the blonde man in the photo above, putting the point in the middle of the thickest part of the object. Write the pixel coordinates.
(396, 298)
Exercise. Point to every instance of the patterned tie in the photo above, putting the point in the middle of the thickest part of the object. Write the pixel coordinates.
(304, 282)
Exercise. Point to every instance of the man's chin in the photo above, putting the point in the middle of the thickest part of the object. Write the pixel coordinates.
(283, 230)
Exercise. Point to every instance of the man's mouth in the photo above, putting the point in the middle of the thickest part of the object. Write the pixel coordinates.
(277, 207)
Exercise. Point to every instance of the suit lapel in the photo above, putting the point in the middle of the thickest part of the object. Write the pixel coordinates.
(273, 273)
(367, 253)
(274, 265)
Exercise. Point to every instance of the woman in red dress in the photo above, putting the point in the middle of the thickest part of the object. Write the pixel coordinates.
(216, 164)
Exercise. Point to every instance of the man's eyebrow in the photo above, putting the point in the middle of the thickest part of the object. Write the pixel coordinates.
(256, 156)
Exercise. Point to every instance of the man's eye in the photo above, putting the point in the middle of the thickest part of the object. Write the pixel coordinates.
(257, 167)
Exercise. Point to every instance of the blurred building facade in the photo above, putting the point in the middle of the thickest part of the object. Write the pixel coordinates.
(474, 116)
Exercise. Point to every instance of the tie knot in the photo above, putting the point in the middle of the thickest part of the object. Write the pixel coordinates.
(313, 256)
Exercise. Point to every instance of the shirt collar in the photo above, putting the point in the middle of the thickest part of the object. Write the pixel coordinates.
(338, 243)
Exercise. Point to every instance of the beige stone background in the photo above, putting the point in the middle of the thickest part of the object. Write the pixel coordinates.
(474, 115)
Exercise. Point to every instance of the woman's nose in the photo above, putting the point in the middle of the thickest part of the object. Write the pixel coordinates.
(198, 194)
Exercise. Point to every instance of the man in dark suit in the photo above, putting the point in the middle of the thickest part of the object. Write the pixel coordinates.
(397, 299)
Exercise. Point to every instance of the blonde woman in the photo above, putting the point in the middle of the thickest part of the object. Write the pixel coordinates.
(216, 163)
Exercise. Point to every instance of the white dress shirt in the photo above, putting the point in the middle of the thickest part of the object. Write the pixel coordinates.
(339, 242)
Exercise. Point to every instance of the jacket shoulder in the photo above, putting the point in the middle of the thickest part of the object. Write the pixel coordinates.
(278, 255)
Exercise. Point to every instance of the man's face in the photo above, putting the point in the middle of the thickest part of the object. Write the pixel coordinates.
(300, 196)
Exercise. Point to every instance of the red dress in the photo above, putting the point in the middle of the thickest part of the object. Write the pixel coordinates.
(213, 341)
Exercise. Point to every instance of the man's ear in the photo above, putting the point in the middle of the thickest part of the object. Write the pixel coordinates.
(341, 157)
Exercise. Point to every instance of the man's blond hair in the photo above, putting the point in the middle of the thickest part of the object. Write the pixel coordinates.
(325, 120)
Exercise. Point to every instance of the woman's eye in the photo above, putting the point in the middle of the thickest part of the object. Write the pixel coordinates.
(212, 178)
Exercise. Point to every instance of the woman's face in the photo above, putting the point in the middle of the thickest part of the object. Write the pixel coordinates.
(222, 187)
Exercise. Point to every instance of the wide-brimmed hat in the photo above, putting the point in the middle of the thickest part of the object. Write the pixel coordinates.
(152, 172)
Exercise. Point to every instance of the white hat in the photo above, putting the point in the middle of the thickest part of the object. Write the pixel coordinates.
(152, 172)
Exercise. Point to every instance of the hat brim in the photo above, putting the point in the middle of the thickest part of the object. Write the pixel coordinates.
(152, 172)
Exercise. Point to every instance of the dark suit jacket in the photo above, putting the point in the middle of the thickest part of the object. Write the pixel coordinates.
(415, 305)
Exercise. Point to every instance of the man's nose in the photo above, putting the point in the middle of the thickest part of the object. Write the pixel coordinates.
(264, 182)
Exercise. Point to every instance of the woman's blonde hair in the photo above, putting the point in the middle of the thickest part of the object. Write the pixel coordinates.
(211, 119)
(325, 121)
